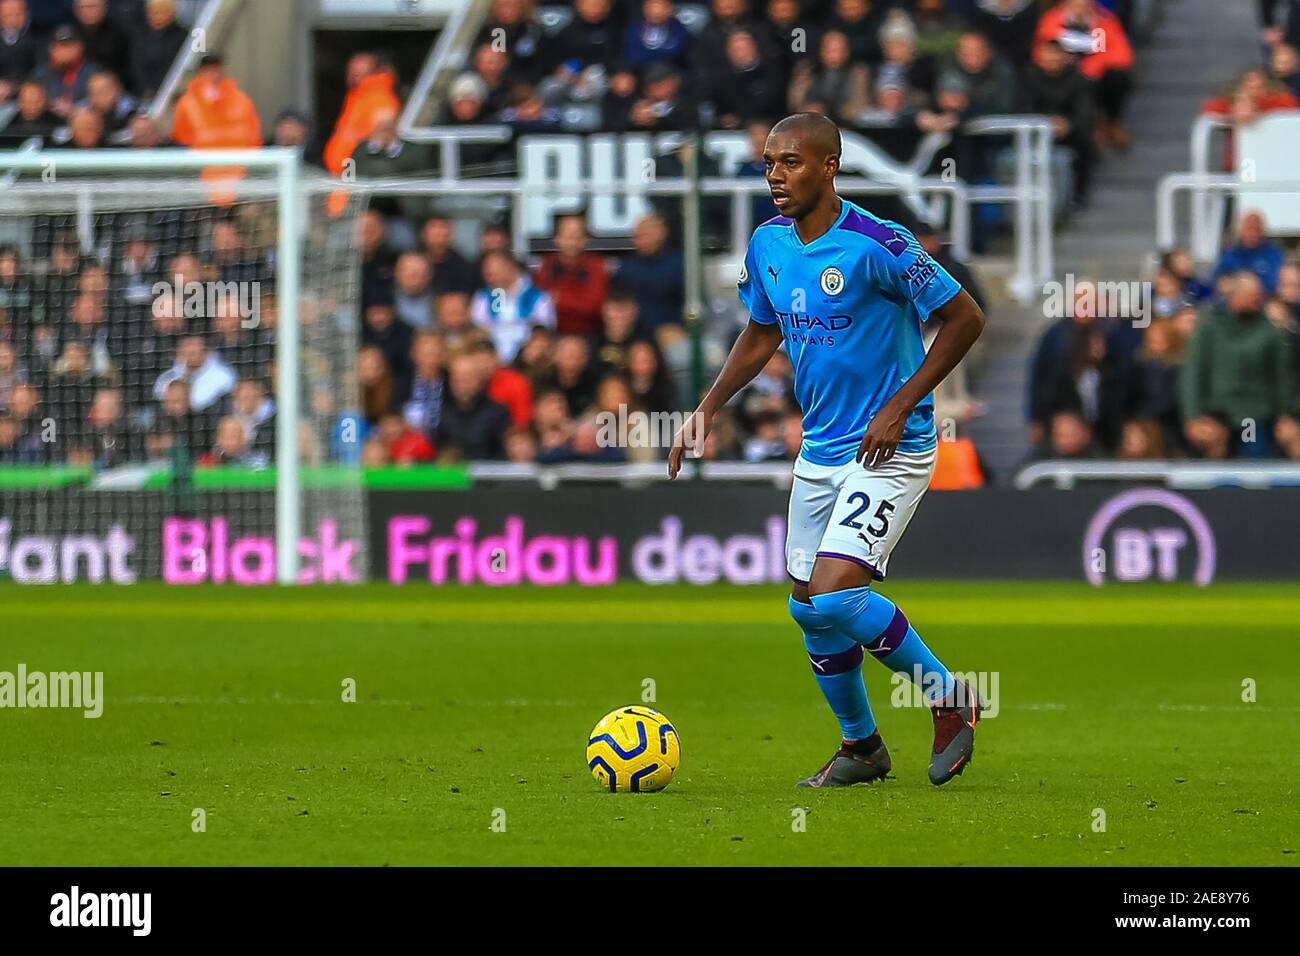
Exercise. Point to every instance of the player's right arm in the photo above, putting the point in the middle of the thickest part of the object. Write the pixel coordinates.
(752, 350)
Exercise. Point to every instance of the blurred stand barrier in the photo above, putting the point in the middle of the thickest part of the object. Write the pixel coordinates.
(702, 533)
(1263, 177)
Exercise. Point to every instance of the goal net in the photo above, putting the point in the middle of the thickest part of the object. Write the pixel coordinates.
(178, 396)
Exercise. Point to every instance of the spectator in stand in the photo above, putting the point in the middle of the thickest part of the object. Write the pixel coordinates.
(1180, 264)
(990, 80)
(177, 427)
(105, 95)
(377, 258)
(423, 396)
(1159, 367)
(648, 377)
(233, 447)
(938, 29)
(255, 411)
(656, 276)
(106, 438)
(709, 49)
(1053, 86)
(860, 22)
(452, 272)
(494, 238)
(506, 386)
(1010, 26)
(85, 130)
(413, 290)
(383, 155)
(371, 95)
(915, 72)
(657, 36)
(107, 44)
(750, 86)
(454, 322)
(554, 427)
(1108, 62)
(537, 358)
(380, 392)
(521, 446)
(472, 427)
(209, 378)
(1283, 309)
(513, 23)
(779, 34)
(574, 374)
(386, 332)
(509, 305)
(593, 39)
(527, 112)
(1280, 20)
(65, 72)
(34, 117)
(832, 84)
(1237, 381)
(1284, 66)
(663, 104)
(576, 279)
(1077, 371)
(618, 319)
(1253, 252)
(155, 47)
(494, 70)
(403, 443)
(19, 49)
(214, 113)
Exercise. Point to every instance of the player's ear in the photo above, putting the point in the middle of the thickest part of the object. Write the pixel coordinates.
(832, 166)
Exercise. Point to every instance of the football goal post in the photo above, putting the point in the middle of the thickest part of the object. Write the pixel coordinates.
(178, 399)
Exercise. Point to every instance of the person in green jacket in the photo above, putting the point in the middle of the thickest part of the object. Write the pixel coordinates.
(1237, 380)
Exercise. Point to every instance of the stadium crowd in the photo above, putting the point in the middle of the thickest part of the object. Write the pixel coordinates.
(490, 357)
(1213, 369)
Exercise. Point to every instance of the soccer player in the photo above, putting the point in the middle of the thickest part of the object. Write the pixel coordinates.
(847, 294)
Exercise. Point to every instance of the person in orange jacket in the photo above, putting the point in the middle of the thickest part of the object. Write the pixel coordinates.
(371, 94)
(1090, 31)
(215, 113)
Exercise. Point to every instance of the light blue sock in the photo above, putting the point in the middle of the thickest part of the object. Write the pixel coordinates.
(837, 665)
(874, 622)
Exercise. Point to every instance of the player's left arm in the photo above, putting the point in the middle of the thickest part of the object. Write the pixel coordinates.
(963, 321)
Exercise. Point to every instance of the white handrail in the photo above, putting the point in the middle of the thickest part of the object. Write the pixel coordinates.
(1201, 184)
(186, 60)
(1175, 474)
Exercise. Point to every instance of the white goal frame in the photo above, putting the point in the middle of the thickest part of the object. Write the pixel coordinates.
(286, 165)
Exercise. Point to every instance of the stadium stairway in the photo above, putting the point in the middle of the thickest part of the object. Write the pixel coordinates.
(1198, 47)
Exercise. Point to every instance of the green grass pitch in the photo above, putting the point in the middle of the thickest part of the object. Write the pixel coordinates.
(475, 701)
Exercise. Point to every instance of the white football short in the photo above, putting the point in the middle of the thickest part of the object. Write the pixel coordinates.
(853, 512)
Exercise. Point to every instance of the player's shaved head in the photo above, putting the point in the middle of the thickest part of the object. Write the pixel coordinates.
(813, 130)
(802, 156)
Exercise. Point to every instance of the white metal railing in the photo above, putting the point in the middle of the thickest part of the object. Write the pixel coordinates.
(1186, 475)
(1030, 193)
(1203, 186)
(447, 55)
(1207, 207)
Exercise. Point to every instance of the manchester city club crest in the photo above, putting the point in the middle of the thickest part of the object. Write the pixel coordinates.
(832, 281)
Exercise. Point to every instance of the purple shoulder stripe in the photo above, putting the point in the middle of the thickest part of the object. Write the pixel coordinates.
(893, 241)
(777, 221)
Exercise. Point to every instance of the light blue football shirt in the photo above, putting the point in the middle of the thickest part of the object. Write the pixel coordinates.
(850, 305)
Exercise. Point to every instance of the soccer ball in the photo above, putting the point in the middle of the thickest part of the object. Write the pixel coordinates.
(633, 749)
